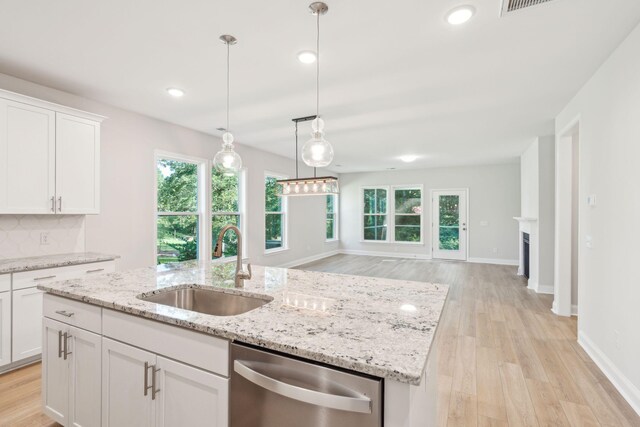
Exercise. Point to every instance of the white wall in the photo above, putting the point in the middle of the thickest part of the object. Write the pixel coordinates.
(529, 181)
(608, 107)
(494, 196)
(126, 223)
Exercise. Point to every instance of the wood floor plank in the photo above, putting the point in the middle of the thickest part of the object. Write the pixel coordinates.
(464, 375)
(520, 410)
(579, 415)
(546, 404)
(491, 402)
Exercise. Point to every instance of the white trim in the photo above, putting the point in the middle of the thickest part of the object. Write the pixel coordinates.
(336, 218)
(385, 254)
(496, 261)
(242, 211)
(574, 309)
(17, 97)
(545, 289)
(309, 259)
(275, 251)
(284, 212)
(627, 389)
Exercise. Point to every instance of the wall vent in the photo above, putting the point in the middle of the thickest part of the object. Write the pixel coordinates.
(509, 6)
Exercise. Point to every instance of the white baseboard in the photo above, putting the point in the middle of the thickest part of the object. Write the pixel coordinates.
(574, 309)
(384, 254)
(626, 388)
(545, 289)
(309, 259)
(496, 261)
(554, 307)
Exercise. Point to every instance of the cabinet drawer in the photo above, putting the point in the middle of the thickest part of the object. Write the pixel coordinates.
(5, 282)
(191, 347)
(29, 279)
(75, 313)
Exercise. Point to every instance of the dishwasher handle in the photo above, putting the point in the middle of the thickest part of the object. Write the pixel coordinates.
(333, 401)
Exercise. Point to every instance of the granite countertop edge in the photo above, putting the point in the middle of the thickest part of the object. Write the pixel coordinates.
(17, 265)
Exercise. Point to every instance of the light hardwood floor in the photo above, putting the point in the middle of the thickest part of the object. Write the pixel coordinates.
(505, 359)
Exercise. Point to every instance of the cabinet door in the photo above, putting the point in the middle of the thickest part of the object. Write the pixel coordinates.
(27, 323)
(27, 164)
(77, 165)
(55, 372)
(85, 378)
(190, 397)
(5, 328)
(124, 402)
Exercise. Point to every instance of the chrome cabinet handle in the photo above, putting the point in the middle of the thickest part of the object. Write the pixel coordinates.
(146, 378)
(35, 279)
(95, 270)
(351, 404)
(60, 204)
(66, 345)
(65, 313)
(154, 390)
(59, 344)
(53, 204)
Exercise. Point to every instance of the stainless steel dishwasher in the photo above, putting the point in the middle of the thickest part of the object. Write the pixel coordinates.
(270, 390)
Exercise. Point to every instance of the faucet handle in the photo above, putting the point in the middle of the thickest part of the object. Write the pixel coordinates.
(249, 268)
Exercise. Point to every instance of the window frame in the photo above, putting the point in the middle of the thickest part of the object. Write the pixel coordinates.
(242, 191)
(284, 206)
(391, 212)
(202, 201)
(336, 231)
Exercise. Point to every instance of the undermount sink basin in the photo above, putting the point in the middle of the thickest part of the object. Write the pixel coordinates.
(207, 301)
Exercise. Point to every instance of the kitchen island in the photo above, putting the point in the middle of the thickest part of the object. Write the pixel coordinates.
(377, 327)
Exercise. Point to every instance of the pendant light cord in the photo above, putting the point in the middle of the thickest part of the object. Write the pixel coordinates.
(228, 85)
(318, 64)
(296, 158)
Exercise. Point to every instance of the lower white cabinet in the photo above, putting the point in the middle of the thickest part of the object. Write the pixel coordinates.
(142, 389)
(27, 323)
(5, 328)
(71, 374)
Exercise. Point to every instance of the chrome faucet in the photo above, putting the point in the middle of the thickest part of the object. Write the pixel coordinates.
(241, 275)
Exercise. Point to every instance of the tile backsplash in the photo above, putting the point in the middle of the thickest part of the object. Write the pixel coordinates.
(20, 235)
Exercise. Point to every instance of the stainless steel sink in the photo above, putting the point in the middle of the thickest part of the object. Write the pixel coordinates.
(207, 301)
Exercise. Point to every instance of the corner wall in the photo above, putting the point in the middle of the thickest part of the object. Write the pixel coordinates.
(126, 223)
(608, 107)
(494, 197)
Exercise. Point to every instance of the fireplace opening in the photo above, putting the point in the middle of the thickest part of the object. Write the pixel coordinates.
(525, 253)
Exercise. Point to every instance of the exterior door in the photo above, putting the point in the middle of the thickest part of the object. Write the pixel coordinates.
(126, 400)
(449, 224)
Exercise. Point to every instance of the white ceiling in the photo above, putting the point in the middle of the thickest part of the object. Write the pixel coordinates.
(396, 79)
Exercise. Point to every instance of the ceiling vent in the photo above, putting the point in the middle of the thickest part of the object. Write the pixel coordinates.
(509, 6)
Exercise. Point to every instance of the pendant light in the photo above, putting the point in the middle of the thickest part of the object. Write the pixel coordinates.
(227, 161)
(315, 186)
(317, 152)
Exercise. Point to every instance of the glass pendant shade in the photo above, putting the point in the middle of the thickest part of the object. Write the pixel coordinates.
(227, 161)
(317, 152)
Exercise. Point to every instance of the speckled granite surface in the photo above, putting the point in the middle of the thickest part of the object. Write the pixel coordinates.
(375, 326)
(50, 261)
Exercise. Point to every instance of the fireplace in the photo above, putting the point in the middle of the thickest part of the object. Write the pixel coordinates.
(525, 254)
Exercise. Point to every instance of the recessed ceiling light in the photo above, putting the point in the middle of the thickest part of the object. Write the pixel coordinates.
(175, 92)
(307, 57)
(408, 158)
(460, 15)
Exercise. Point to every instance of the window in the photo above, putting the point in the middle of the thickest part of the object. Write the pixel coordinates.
(178, 210)
(375, 214)
(408, 215)
(399, 206)
(332, 219)
(226, 208)
(275, 216)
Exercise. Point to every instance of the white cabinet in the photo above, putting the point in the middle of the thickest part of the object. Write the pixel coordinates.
(50, 162)
(77, 165)
(71, 374)
(27, 163)
(5, 328)
(27, 323)
(140, 388)
(189, 396)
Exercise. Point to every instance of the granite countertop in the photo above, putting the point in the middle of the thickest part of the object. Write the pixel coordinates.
(14, 265)
(375, 326)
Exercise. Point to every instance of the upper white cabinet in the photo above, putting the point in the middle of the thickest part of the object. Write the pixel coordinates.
(49, 158)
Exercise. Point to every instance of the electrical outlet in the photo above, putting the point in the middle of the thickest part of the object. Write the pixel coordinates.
(44, 238)
(484, 223)
(589, 242)
(494, 250)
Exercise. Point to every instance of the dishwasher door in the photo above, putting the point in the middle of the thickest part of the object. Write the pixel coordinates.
(269, 390)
